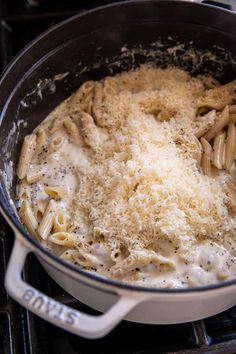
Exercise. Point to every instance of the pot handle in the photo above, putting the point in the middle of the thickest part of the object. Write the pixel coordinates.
(53, 311)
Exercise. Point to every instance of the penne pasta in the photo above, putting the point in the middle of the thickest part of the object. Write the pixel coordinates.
(39, 208)
(80, 100)
(56, 125)
(56, 117)
(230, 146)
(218, 150)
(63, 239)
(40, 138)
(97, 104)
(46, 223)
(86, 88)
(78, 257)
(24, 192)
(55, 192)
(221, 122)
(109, 88)
(231, 184)
(28, 217)
(224, 154)
(140, 258)
(197, 150)
(68, 254)
(222, 273)
(27, 152)
(35, 174)
(205, 123)
(232, 109)
(71, 129)
(56, 143)
(34, 177)
(89, 107)
(232, 118)
(59, 222)
(88, 102)
(218, 97)
(206, 157)
(73, 226)
(90, 131)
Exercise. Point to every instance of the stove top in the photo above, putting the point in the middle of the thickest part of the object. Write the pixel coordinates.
(21, 331)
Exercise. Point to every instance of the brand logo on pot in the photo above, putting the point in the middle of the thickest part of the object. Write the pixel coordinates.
(50, 307)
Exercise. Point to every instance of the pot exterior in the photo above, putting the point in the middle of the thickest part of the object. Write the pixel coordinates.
(159, 309)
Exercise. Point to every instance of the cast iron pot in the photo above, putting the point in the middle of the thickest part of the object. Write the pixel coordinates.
(89, 46)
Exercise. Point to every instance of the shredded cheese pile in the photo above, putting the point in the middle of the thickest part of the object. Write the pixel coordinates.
(145, 187)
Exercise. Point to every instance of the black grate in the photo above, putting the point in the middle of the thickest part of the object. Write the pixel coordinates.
(22, 332)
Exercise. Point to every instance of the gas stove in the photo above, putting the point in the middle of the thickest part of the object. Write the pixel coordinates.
(20, 330)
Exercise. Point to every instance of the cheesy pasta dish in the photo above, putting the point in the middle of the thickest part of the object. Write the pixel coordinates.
(133, 177)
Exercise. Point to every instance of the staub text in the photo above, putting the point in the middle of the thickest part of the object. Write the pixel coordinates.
(49, 307)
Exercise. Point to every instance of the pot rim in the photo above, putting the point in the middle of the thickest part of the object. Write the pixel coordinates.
(9, 213)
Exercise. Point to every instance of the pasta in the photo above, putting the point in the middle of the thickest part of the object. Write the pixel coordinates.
(71, 129)
(41, 137)
(23, 192)
(232, 109)
(205, 123)
(221, 122)
(197, 155)
(55, 118)
(55, 192)
(109, 87)
(86, 89)
(56, 125)
(68, 254)
(46, 223)
(35, 174)
(206, 157)
(219, 96)
(230, 146)
(218, 150)
(90, 131)
(232, 118)
(56, 143)
(27, 151)
(28, 217)
(80, 100)
(97, 104)
(63, 239)
(79, 257)
(60, 221)
(133, 177)
(139, 259)
(222, 273)
(39, 208)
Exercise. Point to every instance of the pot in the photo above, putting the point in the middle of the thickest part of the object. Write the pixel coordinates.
(88, 46)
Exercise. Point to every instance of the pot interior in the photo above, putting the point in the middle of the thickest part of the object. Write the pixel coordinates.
(199, 38)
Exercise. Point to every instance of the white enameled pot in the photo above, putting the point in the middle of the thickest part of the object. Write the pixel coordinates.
(115, 300)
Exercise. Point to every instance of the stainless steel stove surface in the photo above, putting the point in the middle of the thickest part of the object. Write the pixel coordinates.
(23, 333)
